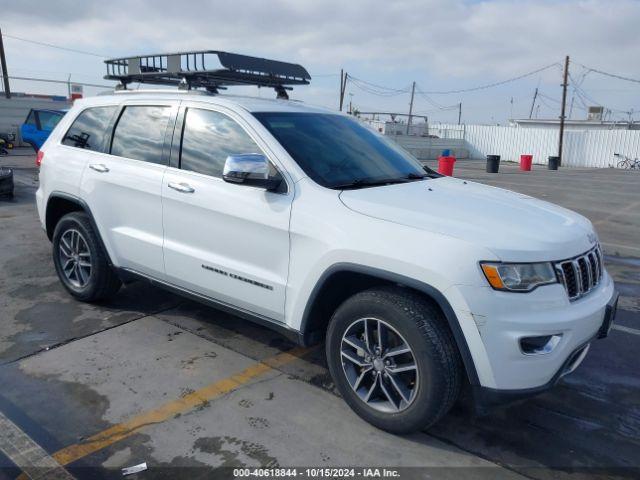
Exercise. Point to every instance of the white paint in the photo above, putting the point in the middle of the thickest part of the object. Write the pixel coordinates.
(622, 328)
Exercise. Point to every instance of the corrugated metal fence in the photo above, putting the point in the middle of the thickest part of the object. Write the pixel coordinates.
(588, 148)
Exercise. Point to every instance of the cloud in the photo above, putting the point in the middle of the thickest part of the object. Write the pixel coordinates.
(439, 42)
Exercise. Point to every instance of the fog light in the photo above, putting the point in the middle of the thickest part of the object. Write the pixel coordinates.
(539, 345)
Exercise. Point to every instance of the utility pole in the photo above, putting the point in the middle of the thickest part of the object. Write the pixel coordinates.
(342, 82)
(5, 74)
(413, 91)
(343, 88)
(533, 104)
(564, 105)
(459, 112)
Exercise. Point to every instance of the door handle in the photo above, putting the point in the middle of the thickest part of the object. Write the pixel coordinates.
(182, 187)
(99, 167)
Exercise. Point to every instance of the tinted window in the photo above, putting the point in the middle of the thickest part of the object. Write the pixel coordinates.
(335, 150)
(31, 119)
(209, 138)
(49, 120)
(139, 133)
(89, 129)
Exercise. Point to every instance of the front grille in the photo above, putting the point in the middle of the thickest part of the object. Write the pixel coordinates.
(581, 274)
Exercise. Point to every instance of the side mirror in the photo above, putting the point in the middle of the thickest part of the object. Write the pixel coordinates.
(249, 169)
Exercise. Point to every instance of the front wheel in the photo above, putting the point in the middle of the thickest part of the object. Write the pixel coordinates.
(393, 359)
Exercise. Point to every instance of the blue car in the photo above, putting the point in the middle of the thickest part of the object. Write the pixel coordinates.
(38, 126)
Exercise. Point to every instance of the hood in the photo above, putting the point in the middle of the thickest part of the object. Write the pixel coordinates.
(515, 227)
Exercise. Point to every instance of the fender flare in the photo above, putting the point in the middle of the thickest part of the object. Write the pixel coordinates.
(418, 285)
(85, 208)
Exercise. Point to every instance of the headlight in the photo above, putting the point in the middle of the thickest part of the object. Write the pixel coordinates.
(518, 277)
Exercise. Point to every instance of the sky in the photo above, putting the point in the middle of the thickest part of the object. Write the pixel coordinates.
(442, 45)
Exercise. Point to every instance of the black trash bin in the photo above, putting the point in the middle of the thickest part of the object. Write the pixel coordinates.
(554, 163)
(493, 163)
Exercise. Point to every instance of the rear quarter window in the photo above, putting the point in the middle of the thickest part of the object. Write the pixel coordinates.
(89, 129)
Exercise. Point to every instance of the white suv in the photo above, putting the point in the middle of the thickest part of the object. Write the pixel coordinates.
(306, 221)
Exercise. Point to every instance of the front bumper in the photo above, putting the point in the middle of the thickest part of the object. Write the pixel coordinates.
(502, 319)
(485, 398)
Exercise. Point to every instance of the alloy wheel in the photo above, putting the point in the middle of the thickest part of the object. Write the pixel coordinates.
(75, 258)
(379, 365)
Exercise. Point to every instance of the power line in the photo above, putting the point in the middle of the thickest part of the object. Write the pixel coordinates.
(435, 104)
(608, 74)
(381, 87)
(495, 84)
(582, 95)
(50, 45)
(378, 90)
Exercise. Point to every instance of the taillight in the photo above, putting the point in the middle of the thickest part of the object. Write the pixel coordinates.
(39, 158)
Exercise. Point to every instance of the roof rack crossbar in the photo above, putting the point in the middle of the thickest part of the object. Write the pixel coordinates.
(209, 69)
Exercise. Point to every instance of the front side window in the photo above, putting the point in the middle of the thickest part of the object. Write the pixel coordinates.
(90, 128)
(49, 120)
(337, 151)
(139, 134)
(209, 138)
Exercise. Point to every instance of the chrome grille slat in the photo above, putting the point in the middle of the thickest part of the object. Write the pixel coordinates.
(593, 269)
(581, 274)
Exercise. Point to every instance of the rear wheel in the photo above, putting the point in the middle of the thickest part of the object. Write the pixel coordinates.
(393, 359)
(80, 261)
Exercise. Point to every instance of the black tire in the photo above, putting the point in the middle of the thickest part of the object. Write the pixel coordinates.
(103, 282)
(423, 328)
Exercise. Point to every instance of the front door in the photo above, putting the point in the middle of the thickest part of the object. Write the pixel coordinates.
(226, 241)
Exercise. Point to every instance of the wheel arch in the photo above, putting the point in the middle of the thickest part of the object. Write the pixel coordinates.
(60, 204)
(342, 280)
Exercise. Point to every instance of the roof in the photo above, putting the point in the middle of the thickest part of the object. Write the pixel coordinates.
(251, 104)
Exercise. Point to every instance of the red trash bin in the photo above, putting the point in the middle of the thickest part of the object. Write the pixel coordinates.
(445, 165)
(525, 162)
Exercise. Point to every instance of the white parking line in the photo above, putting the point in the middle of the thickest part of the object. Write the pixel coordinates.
(27, 454)
(622, 328)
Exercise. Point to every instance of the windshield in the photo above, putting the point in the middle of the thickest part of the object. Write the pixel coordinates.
(339, 152)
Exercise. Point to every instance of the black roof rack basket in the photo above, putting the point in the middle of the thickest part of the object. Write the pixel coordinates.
(209, 69)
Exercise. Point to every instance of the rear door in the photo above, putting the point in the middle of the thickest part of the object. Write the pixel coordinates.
(226, 241)
(123, 186)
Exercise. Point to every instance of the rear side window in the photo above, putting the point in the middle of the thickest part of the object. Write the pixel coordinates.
(89, 129)
(139, 134)
(49, 120)
(209, 138)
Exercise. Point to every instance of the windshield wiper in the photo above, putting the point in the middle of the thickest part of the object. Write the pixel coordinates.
(431, 173)
(416, 176)
(369, 182)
